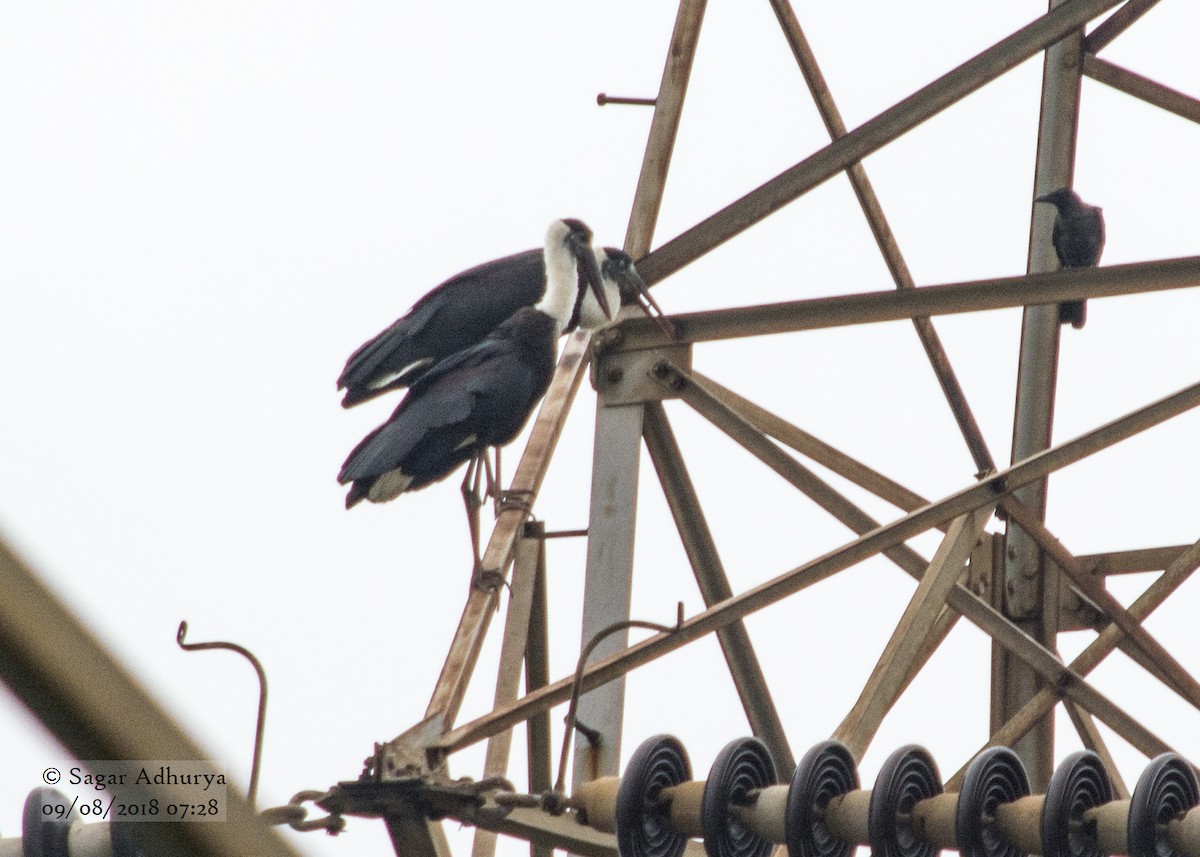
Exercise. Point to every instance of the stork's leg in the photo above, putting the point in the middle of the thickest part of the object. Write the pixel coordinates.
(494, 483)
(473, 502)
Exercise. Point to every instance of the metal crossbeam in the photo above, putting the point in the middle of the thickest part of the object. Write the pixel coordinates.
(1160, 662)
(868, 307)
(884, 237)
(869, 137)
(902, 656)
(884, 538)
(1131, 83)
(1095, 652)
(701, 551)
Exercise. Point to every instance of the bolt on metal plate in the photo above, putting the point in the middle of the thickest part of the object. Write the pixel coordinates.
(623, 378)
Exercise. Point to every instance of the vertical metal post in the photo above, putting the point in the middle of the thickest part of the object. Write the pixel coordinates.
(526, 564)
(609, 580)
(537, 675)
(1030, 585)
(619, 431)
(663, 127)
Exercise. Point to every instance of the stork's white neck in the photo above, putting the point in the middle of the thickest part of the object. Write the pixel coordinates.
(562, 278)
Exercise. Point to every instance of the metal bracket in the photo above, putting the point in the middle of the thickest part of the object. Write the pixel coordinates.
(411, 754)
(623, 377)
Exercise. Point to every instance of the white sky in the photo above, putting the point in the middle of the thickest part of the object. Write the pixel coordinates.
(204, 208)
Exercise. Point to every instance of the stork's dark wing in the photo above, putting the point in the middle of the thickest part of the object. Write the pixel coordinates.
(456, 314)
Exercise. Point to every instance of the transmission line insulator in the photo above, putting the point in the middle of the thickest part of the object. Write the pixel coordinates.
(996, 776)
(741, 814)
(826, 772)
(1079, 784)
(908, 778)
(1166, 795)
(741, 811)
(653, 789)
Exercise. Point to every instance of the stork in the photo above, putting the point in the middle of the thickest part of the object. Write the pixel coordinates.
(462, 310)
(482, 395)
(1078, 240)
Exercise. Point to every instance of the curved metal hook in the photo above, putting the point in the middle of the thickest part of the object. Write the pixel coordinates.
(262, 697)
(577, 685)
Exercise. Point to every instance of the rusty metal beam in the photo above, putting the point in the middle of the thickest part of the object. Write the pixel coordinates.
(902, 656)
(1131, 83)
(98, 710)
(546, 832)
(1031, 588)
(799, 476)
(668, 108)
(1089, 734)
(1116, 23)
(842, 310)
(884, 237)
(809, 445)
(1095, 652)
(1158, 660)
(1016, 644)
(869, 137)
(884, 538)
(1131, 561)
(701, 549)
(608, 581)
(901, 497)
(537, 676)
(526, 560)
(481, 604)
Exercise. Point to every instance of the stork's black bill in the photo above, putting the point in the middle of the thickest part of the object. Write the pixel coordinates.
(579, 242)
(1078, 238)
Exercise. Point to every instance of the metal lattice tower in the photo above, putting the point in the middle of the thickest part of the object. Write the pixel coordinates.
(1021, 572)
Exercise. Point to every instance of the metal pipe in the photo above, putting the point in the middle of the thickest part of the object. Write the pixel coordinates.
(602, 99)
(261, 723)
